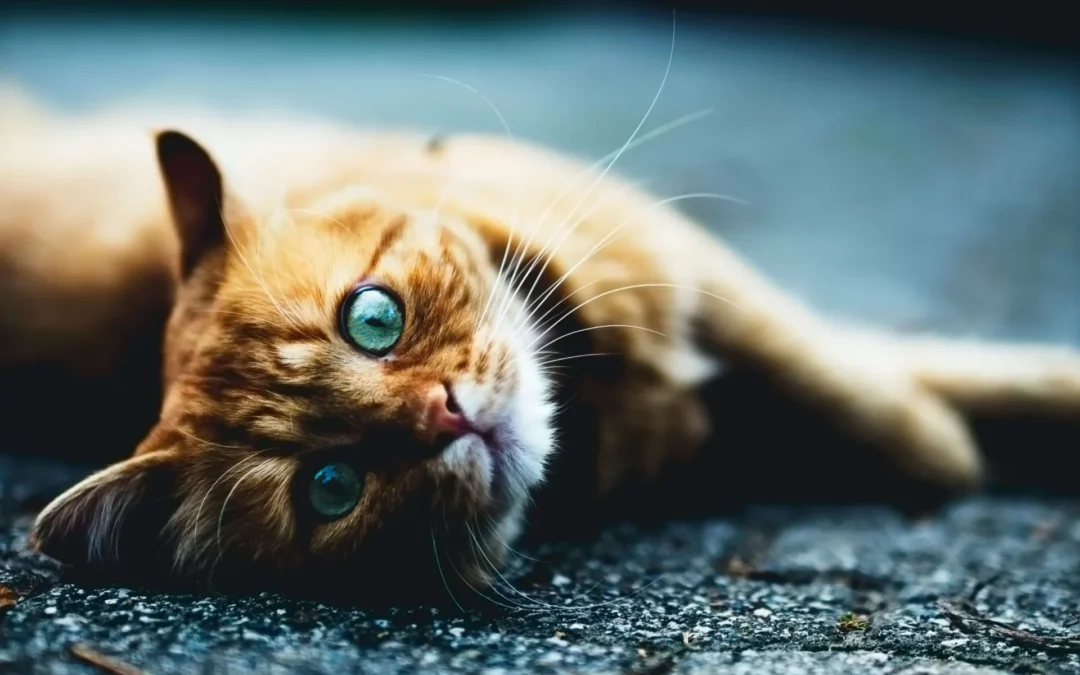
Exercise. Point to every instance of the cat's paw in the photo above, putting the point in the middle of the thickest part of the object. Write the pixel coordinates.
(873, 395)
(930, 440)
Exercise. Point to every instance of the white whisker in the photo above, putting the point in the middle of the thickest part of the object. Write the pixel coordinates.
(637, 129)
(258, 280)
(221, 513)
(197, 522)
(546, 254)
(632, 287)
(645, 138)
(509, 135)
(575, 356)
(609, 238)
(438, 564)
(592, 328)
(478, 545)
(618, 154)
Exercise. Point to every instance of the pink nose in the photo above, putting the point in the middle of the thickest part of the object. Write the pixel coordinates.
(442, 418)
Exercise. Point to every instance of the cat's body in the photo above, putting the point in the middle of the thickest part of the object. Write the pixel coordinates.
(258, 377)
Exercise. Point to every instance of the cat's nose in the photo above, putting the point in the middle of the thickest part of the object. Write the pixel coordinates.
(442, 419)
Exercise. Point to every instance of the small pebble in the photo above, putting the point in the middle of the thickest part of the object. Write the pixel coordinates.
(958, 642)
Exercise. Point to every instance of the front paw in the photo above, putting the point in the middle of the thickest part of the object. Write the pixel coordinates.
(875, 398)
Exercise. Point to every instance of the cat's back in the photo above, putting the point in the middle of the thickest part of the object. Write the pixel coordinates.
(82, 247)
(85, 240)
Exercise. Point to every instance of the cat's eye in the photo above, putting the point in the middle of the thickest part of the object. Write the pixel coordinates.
(372, 319)
(335, 490)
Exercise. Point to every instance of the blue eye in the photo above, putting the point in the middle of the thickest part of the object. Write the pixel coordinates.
(335, 490)
(372, 319)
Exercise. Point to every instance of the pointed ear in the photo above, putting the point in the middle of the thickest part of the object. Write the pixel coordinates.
(113, 519)
(196, 196)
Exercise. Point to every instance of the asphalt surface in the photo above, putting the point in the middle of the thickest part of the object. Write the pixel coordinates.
(988, 585)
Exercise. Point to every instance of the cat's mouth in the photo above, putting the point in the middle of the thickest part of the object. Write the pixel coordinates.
(498, 454)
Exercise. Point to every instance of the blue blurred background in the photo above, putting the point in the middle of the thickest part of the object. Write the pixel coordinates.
(923, 182)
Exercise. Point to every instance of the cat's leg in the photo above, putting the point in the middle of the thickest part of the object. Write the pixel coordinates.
(867, 391)
(991, 378)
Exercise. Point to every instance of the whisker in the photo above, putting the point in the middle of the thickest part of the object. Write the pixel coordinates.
(261, 240)
(626, 146)
(509, 135)
(184, 432)
(438, 564)
(547, 254)
(479, 546)
(325, 216)
(632, 287)
(645, 138)
(540, 330)
(608, 325)
(236, 247)
(221, 514)
(637, 129)
(494, 533)
(228, 313)
(539, 604)
(196, 524)
(461, 576)
(609, 238)
(577, 356)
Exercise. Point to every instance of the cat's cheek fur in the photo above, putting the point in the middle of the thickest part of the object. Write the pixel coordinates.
(532, 411)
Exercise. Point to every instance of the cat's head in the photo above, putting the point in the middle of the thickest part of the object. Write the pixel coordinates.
(352, 404)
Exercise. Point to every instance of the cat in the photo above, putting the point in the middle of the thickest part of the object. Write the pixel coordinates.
(369, 345)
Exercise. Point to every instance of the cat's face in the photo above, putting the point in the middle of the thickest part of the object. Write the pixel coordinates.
(353, 404)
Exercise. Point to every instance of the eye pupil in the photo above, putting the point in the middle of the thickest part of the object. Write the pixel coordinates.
(372, 320)
(335, 490)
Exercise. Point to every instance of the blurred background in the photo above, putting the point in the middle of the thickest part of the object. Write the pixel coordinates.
(914, 168)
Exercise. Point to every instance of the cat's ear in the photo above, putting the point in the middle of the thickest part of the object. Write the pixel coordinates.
(113, 519)
(197, 196)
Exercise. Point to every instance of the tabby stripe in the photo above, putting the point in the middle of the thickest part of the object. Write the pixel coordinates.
(388, 239)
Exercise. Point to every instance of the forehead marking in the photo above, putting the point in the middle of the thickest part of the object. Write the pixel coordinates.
(296, 354)
(390, 236)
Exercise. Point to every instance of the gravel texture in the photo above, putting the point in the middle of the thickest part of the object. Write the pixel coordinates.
(769, 590)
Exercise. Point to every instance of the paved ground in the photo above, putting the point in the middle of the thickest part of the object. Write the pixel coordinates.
(773, 590)
(931, 189)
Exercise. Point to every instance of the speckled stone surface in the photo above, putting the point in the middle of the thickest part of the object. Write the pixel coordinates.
(928, 188)
(771, 590)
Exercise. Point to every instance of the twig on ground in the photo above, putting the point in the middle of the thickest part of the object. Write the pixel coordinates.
(8, 597)
(107, 663)
(963, 614)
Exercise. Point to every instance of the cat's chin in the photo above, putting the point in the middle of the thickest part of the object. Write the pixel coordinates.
(494, 460)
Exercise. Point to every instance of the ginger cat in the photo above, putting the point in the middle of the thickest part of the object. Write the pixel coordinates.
(371, 339)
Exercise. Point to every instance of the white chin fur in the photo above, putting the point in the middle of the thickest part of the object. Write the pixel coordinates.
(530, 424)
(521, 421)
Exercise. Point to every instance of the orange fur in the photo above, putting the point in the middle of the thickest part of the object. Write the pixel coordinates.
(506, 256)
